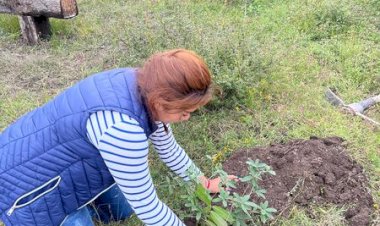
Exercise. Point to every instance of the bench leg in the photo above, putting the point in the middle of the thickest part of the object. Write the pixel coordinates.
(33, 28)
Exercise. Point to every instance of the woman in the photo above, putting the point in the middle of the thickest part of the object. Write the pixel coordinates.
(68, 153)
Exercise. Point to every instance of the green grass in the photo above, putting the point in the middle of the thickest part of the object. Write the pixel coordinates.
(272, 59)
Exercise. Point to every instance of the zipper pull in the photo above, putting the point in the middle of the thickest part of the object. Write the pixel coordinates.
(10, 211)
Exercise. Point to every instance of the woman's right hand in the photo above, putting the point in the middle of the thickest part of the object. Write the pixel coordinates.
(213, 184)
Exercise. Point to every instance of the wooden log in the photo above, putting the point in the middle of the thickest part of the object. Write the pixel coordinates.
(34, 28)
(36, 8)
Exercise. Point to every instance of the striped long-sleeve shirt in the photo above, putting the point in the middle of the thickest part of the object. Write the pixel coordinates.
(124, 147)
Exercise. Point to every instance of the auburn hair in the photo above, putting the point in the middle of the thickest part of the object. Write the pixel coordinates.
(176, 79)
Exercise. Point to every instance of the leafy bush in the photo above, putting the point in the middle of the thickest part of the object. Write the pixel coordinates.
(326, 22)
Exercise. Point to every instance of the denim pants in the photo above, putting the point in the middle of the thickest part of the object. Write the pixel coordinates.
(109, 206)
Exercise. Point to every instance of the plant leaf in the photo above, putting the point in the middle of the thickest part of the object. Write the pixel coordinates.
(271, 210)
(198, 216)
(246, 178)
(223, 213)
(254, 205)
(244, 208)
(203, 195)
(218, 220)
(209, 223)
(217, 200)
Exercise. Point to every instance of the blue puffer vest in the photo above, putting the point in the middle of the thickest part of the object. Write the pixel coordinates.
(48, 167)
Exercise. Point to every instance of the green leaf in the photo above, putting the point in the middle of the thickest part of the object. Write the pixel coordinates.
(217, 200)
(223, 213)
(262, 165)
(264, 205)
(261, 193)
(244, 208)
(198, 216)
(231, 184)
(218, 220)
(209, 223)
(271, 210)
(254, 205)
(263, 218)
(246, 178)
(203, 194)
(272, 172)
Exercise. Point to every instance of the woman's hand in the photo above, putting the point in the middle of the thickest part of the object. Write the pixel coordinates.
(213, 184)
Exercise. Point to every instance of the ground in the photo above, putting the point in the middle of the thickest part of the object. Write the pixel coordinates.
(308, 173)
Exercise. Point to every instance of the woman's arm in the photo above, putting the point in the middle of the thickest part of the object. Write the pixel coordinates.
(171, 153)
(124, 148)
(177, 160)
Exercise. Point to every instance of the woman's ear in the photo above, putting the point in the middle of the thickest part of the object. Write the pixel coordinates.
(158, 106)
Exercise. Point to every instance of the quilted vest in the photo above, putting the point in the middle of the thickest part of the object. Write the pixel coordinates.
(48, 167)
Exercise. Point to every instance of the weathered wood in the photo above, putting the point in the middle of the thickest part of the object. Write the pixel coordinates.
(34, 28)
(48, 8)
(69, 8)
(34, 15)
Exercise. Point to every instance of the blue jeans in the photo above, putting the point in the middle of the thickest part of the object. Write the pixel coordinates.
(109, 206)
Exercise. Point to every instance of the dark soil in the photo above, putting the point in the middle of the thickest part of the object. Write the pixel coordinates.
(190, 222)
(315, 171)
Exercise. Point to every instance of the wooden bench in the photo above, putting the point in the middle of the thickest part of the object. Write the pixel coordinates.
(34, 15)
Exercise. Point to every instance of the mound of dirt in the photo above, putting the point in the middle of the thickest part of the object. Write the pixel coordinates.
(315, 171)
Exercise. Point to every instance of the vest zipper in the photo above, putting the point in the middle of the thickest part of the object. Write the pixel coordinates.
(15, 206)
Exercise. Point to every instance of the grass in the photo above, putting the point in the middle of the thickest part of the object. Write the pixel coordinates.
(272, 59)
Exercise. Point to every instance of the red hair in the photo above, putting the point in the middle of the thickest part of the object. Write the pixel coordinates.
(177, 79)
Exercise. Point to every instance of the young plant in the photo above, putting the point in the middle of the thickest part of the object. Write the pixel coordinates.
(199, 201)
(229, 208)
(256, 170)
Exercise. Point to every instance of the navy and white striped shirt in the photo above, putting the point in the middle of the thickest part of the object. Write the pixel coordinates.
(124, 147)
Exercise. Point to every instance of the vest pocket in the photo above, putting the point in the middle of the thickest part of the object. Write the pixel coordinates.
(35, 194)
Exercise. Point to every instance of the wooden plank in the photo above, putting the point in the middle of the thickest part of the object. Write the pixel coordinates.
(48, 8)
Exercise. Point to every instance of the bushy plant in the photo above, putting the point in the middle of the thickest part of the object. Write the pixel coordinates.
(229, 208)
(327, 22)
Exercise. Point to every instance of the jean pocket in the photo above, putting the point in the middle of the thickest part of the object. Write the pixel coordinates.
(35, 194)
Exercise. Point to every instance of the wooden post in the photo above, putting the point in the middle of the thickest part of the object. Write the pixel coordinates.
(34, 15)
(34, 28)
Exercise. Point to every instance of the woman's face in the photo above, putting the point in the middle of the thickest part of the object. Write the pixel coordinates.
(173, 116)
